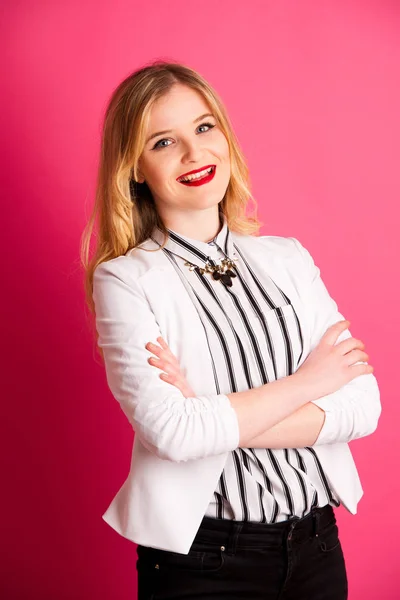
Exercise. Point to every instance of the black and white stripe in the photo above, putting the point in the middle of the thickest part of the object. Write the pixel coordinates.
(254, 337)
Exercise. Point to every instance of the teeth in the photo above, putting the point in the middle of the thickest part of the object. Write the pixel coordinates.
(196, 175)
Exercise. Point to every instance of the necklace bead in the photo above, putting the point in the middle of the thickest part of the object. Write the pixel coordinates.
(222, 272)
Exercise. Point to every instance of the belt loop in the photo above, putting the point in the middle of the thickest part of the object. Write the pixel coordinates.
(316, 518)
(233, 537)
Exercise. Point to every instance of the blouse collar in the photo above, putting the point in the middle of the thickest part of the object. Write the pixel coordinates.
(196, 251)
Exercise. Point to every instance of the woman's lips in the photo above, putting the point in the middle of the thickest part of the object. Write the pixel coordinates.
(196, 171)
(201, 180)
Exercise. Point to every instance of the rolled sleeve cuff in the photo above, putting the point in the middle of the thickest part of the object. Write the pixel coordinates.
(328, 433)
(229, 425)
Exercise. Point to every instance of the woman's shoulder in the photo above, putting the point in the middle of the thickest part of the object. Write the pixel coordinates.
(134, 264)
(276, 246)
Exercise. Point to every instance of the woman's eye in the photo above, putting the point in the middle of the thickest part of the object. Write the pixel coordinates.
(210, 125)
(160, 142)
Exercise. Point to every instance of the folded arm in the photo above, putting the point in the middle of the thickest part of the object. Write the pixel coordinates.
(349, 413)
(298, 430)
(172, 427)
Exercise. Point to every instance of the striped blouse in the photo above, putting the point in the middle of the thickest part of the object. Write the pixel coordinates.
(254, 337)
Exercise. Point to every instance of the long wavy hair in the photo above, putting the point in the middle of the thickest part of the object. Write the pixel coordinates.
(124, 213)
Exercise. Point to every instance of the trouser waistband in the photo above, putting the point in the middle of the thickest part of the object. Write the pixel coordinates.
(249, 534)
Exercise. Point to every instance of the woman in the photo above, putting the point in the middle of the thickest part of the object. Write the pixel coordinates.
(227, 355)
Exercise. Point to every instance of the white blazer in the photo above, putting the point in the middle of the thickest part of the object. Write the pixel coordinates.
(181, 444)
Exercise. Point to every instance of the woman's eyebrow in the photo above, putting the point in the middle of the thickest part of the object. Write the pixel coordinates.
(153, 135)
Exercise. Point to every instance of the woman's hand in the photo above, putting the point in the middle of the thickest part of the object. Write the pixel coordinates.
(169, 363)
(330, 366)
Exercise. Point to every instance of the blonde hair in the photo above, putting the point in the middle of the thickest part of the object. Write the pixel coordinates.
(124, 220)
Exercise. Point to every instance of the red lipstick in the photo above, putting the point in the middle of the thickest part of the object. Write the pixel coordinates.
(195, 171)
(196, 182)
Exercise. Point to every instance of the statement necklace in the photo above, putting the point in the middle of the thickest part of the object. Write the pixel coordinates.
(222, 272)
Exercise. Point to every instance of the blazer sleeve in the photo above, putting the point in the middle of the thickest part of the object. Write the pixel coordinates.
(171, 426)
(352, 411)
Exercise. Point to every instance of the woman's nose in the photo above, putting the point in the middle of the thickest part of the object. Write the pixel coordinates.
(192, 151)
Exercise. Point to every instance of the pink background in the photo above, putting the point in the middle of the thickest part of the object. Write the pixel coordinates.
(313, 90)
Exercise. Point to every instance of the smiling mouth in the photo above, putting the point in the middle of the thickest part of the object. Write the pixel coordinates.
(198, 175)
(198, 178)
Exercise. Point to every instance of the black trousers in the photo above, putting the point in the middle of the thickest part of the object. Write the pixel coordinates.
(298, 559)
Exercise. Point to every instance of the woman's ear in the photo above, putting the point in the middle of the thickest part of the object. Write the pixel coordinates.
(140, 178)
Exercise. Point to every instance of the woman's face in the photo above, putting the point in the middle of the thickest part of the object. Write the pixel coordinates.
(191, 143)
